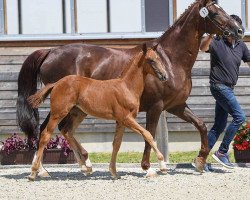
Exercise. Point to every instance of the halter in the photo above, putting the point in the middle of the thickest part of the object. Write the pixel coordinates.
(225, 31)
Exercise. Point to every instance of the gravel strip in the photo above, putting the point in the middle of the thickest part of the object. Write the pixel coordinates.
(67, 182)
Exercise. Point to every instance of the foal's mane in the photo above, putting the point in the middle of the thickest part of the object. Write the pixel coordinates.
(142, 49)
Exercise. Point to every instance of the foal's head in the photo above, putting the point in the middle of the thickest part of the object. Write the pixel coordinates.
(217, 21)
(153, 63)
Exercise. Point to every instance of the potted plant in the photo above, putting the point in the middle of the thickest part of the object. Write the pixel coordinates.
(241, 144)
(15, 150)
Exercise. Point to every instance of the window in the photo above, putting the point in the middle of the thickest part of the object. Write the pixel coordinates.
(84, 16)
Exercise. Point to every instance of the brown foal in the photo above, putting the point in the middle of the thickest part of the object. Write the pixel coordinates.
(115, 99)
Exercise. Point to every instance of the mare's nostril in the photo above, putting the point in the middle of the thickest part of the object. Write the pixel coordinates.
(240, 31)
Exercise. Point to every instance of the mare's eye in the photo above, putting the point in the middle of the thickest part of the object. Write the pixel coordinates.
(213, 15)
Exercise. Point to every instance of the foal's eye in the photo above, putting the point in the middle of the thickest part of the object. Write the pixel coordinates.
(151, 61)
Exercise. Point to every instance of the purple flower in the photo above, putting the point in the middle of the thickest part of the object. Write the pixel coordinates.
(15, 142)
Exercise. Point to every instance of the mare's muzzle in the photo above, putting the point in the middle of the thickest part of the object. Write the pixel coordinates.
(239, 34)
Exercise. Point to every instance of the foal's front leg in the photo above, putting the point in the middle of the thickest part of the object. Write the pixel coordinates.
(132, 124)
(116, 146)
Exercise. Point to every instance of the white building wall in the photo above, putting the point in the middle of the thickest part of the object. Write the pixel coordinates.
(182, 5)
(41, 16)
(234, 7)
(12, 16)
(92, 16)
(125, 15)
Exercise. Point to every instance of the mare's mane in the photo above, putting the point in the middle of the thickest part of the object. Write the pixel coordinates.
(176, 22)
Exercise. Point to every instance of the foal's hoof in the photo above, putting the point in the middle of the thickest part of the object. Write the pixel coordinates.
(116, 177)
(151, 173)
(32, 176)
(199, 164)
(87, 170)
(164, 171)
(44, 174)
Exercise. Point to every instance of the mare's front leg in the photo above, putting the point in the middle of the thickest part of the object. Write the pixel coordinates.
(116, 146)
(67, 128)
(152, 118)
(185, 113)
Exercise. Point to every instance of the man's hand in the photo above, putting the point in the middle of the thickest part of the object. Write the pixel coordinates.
(205, 42)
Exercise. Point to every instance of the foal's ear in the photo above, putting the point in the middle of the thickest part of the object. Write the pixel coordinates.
(154, 47)
(144, 48)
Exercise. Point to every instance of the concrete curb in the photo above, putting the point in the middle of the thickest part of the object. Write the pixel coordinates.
(123, 165)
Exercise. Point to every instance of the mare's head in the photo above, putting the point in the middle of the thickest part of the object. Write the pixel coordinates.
(217, 21)
(153, 63)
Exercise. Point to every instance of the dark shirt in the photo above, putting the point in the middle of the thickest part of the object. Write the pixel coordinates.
(226, 60)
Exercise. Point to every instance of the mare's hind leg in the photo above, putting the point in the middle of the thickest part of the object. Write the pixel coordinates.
(67, 127)
(185, 113)
(116, 146)
(132, 124)
(44, 139)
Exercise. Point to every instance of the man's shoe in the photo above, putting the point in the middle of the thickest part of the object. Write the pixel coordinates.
(223, 159)
(208, 168)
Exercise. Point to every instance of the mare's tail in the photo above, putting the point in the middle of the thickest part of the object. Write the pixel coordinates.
(27, 117)
(36, 99)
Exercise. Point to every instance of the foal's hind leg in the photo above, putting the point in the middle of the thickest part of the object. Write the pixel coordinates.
(44, 139)
(42, 172)
(116, 146)
(132, 124)
(185, 113)
(67, 127)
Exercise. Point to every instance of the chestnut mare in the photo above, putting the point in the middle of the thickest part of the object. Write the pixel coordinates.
(116, 99)
(178, 48)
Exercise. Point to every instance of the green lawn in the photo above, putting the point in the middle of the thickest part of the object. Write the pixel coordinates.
(135, 157)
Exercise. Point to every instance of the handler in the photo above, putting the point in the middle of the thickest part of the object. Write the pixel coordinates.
(226, 54)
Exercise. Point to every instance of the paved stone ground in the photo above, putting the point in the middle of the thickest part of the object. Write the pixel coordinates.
(181, 182)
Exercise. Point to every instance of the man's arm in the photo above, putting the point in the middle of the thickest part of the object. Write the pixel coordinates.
(205, 42)
(246, 55)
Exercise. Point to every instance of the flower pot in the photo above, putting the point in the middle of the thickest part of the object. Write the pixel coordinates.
(242, 156)
(22, 157)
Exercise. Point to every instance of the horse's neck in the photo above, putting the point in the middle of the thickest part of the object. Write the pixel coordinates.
(134, 78)
(181, 42)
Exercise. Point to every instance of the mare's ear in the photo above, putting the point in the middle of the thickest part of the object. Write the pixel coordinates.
(205, 2)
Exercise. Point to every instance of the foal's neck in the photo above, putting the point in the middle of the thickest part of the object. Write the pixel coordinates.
(134, 76)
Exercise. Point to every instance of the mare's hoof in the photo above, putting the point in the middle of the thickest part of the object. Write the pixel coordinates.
(199, 164)
(151, 173)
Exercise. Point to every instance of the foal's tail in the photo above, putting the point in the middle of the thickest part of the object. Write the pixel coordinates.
(36, 99)
(28, 118)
